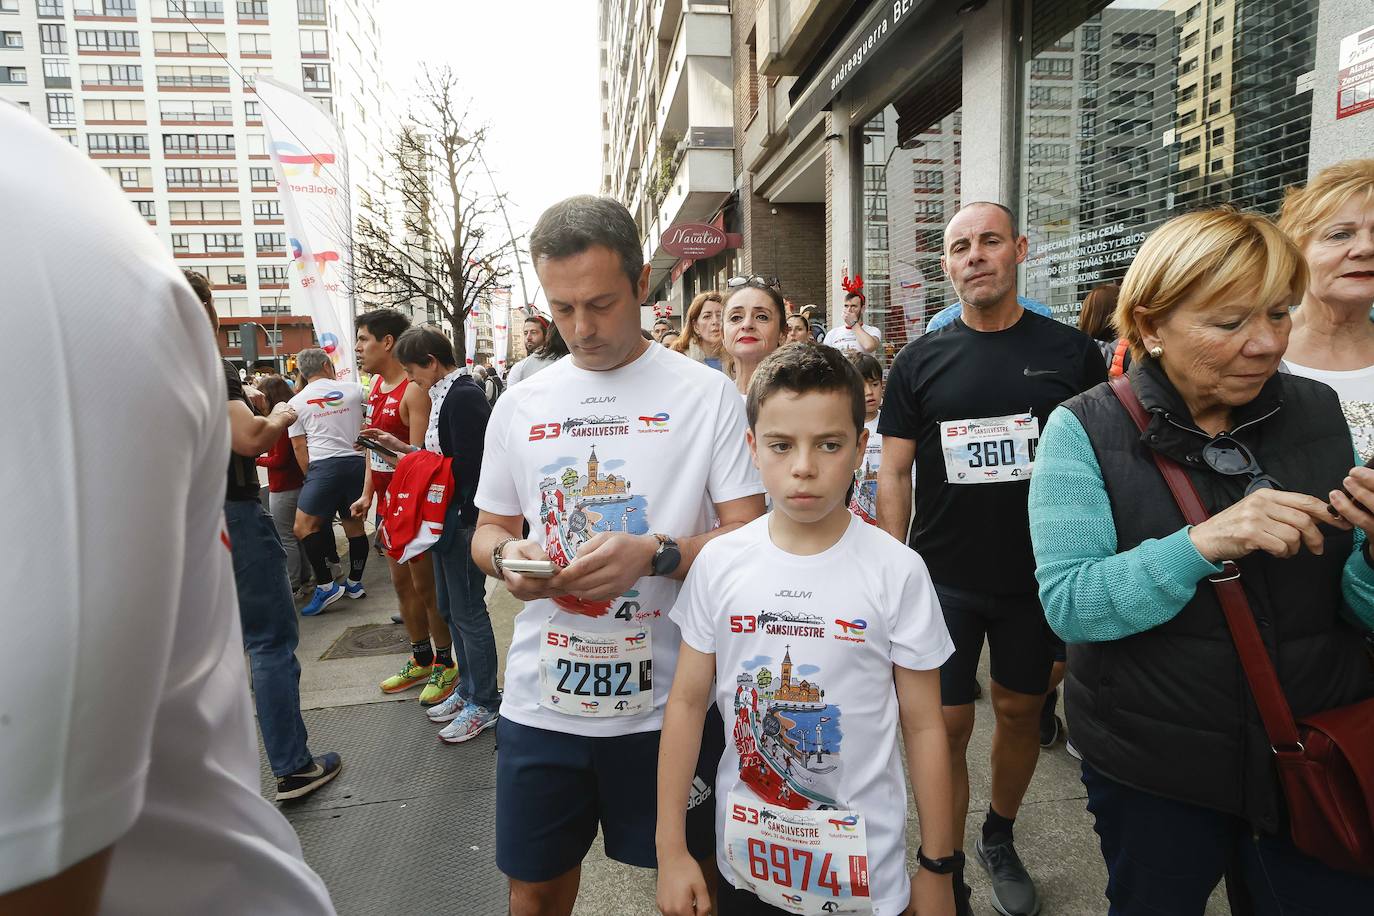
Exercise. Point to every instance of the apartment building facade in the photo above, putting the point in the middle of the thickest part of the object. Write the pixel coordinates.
(861, 125)
(160, 94)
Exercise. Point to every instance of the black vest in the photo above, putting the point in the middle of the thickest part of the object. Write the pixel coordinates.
(1168, 711)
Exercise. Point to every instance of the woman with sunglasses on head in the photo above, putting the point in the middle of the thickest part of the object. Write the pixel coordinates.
(753, 329)
(1332, 221)
(701, 330)
(1179, 770)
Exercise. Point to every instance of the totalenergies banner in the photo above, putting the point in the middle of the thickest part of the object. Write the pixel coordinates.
(500, 326)
(470, 337)
(312, 178)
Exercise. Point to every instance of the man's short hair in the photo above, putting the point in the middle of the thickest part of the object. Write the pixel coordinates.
(383, 322)
(1011, 217)
(418, 346)
(201, 287)
(572, 226)
(801, 369)
(313, 361)
(867, 364)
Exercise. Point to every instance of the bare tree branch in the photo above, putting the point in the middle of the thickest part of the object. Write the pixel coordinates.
(433, 236)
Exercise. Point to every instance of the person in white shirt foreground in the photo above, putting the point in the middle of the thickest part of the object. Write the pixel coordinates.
(813, 673)
(129, 779)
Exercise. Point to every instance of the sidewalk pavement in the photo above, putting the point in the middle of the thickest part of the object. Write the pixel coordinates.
(410, 817)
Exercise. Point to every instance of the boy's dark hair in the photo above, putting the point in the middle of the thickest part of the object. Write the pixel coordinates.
(381, 322)
(574, 225)
(801, 369)
(417, 346)
(868, 365)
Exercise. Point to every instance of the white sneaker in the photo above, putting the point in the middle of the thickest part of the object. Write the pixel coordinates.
(448, 710)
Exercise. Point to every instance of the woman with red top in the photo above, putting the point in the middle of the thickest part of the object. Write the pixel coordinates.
(284, 481)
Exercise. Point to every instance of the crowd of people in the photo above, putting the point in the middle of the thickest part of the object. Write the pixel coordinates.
(758, 570)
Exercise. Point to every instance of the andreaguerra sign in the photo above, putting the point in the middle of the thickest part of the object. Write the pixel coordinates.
(694, 241)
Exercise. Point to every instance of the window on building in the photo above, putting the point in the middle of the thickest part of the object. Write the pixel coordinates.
(1134, 41)
(189, 42)
(57, 72)
(251, 111)
(9, 6)
(270, 241)
(310, 11)
(201, 178)
(146, 209)
(1214, 82)
(1218, 136)
(1052, 68)
(233, 337)
(1214, 108)
(315, 77)
(199, 110)
(11, 40)
(1049, 126)
(272, 274)
(1190, 40)
(252, 10)
(266, 209)
(277, 305)
(15, 76)
(198, 144)
(61, 108)
(179, 77)
(1189, 65)
(325, 102)
(111, 75)
(259, 43)
(212, 10)
(50, 9)
(128, 178)
(1133, 97)
(314, 43)
(1194, 11)
(1126, 69)
(1217, 166)
(106, 40)
(1189, 93)
(1050, 97)
(1215, 53)
(1187, 117)
(1218, 25)
(261, 177)
(1192, 146)
(52, 38)
(203, 211)
(257, 145)
(117, 144)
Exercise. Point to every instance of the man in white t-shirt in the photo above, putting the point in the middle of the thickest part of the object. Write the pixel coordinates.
(621, 459)
(853, 334)
(129, 777)
(329, 418)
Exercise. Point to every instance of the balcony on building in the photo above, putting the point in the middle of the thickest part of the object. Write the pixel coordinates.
(791, 32)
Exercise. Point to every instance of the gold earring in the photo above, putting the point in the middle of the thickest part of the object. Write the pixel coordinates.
(1156, 352)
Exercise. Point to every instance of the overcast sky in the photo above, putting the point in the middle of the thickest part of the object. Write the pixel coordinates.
(531, 68)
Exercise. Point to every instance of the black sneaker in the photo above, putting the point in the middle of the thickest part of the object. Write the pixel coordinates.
(309, 777)
(1013, 891)
(1051, 726)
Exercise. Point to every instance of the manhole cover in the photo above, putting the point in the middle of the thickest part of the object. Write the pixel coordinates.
(372, 639)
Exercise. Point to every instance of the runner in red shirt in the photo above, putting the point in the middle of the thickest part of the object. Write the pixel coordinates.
(402, 409)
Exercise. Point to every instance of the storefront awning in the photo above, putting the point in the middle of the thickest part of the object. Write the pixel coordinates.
(887, 19)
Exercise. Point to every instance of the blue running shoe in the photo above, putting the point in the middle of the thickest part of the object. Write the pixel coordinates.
(354, 590)
(324, 597)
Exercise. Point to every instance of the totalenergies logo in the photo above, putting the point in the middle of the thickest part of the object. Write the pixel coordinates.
(328, 400)
(657, 421)
(329, 343)
(296, 161)
(321, 258)
(852, 627)
(846, 824)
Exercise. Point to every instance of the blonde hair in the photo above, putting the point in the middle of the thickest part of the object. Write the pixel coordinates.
(1305, 208)
(1204, 255)
(688, 336)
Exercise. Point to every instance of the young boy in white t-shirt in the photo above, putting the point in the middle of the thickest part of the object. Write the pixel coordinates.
(813, 672)
(864, 500)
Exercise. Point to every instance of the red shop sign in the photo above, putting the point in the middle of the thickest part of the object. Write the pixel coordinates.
(694, 240)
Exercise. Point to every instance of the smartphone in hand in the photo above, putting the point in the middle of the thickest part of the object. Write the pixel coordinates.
(375, 446)
(535, 569)
(1332, 509)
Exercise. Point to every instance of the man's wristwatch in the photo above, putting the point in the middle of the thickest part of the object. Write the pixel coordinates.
(946, 866)
(496, 556)
(666, 558)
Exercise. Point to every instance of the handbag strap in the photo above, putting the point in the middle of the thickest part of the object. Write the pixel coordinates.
(1240, 619)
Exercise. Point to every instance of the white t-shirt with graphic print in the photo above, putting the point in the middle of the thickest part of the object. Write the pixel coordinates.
(804, 650)
(843, 338)
(647, 448)
(329, 414)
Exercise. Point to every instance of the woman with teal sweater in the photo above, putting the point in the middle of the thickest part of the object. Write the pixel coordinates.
(1177, 766)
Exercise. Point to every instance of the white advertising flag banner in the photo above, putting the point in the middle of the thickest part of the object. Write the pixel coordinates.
(470, 336)
(311, 163)
(500, 326)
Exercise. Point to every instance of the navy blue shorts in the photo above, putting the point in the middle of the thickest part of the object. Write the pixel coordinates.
(554, 789)
(332, 486)
(1021, 646)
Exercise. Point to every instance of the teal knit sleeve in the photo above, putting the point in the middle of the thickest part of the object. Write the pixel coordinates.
(1357, 581)
(1090, 592)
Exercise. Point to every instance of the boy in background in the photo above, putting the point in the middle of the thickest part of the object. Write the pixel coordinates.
(864, 501)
